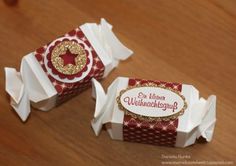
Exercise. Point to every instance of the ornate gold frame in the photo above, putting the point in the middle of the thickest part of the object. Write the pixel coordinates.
(74, 48)
(147, 118)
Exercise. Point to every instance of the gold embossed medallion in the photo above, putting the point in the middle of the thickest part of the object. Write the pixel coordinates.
(68, 57)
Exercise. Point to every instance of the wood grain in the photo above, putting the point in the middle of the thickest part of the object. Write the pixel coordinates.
(183, 41)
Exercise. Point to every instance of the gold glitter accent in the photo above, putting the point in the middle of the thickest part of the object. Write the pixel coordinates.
(148, 118)
(74, 48)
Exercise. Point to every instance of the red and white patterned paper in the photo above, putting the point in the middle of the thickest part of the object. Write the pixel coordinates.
(161, 133)
(64, 89)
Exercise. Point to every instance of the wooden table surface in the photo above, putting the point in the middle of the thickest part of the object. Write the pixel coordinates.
(187, 41)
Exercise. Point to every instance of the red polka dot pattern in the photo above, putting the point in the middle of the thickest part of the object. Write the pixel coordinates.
(161, 133)
(67, 90)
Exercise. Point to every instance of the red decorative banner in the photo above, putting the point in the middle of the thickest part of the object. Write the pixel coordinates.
(154, 132)
(70, 62)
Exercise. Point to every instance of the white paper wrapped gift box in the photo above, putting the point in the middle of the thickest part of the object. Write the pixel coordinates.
(64, 67)
(153, 112)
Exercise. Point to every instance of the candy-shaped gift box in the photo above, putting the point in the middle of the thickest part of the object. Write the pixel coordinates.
(64, 67)
(153, 112)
